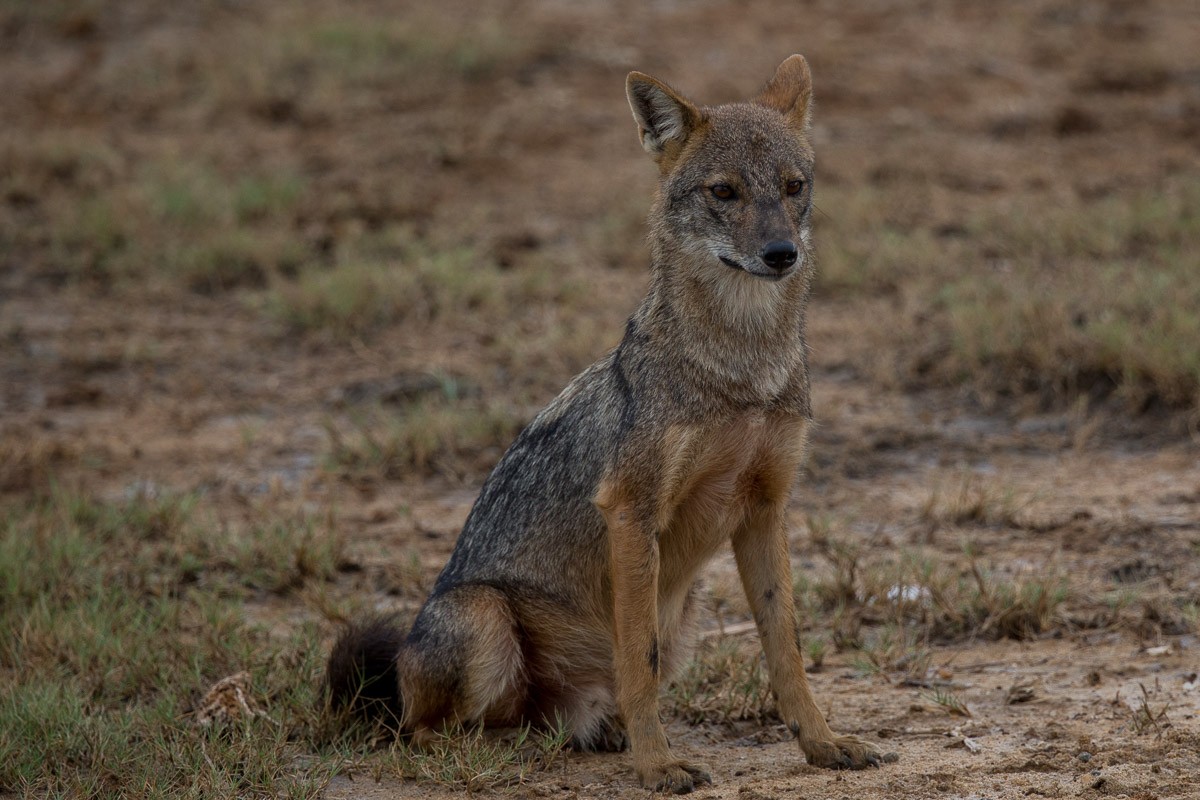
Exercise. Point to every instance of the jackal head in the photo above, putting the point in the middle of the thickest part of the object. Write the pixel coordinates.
(735, 189)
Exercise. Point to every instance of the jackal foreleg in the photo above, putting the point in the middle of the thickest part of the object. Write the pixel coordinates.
(761, 550)
(635, 569)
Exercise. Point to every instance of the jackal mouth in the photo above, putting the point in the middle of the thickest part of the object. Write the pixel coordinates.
(772, 276)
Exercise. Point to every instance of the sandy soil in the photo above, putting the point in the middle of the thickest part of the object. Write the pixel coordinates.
(1067, 741)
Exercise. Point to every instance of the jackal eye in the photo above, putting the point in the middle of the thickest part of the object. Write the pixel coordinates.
(723, 191)
(794, 187)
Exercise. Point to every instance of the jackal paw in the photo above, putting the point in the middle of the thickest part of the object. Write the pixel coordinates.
(677, 777)
(845, 752)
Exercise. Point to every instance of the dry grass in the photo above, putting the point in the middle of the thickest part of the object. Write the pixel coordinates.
(972, 501)
(94, 217)
(392, 278)
(1145, 718)
(477, 760)
(896, 648)
(444, 434)
(949, 701)
(889, 611)
(311, 59)
(1015, 609)
(1102, 279)
(871, 240)
(1084, 298)
(922, 597)
(725, 683)
(29, 463)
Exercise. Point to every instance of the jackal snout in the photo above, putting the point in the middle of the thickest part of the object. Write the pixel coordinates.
(779, 254)
(763, 237)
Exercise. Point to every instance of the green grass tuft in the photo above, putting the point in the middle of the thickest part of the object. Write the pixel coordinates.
(114, 620)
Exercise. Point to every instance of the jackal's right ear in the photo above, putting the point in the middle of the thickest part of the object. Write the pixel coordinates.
(665, 118)
(790, 92)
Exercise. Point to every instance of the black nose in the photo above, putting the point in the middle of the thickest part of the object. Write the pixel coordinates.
(779, 254)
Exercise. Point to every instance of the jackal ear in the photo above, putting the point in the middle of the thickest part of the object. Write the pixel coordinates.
(665, 118)
(790, 92)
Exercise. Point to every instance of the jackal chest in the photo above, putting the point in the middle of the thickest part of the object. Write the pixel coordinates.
(716, 475)
(717, 478)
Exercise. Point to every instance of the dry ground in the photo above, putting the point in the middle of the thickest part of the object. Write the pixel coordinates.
(278, 282)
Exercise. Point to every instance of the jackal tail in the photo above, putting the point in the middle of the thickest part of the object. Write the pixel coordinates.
(362, 675)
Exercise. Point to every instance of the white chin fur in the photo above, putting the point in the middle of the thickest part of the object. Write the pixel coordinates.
(747, 299)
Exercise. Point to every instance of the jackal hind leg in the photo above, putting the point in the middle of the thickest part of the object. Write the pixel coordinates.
(463, 664)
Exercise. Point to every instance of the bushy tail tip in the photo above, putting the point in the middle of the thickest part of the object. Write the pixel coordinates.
(361, 676)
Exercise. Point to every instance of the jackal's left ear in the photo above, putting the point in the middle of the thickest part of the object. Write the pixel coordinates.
(790, 92)
(665, 118)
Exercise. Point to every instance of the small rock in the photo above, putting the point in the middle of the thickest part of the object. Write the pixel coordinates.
(1085, 756)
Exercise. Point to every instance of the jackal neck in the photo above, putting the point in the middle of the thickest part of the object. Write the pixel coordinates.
(734, 335)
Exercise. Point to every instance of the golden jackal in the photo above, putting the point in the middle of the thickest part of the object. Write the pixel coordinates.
(570, 593)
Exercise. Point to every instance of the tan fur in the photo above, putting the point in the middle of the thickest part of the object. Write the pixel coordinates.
(729, 481)
(494, 690)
